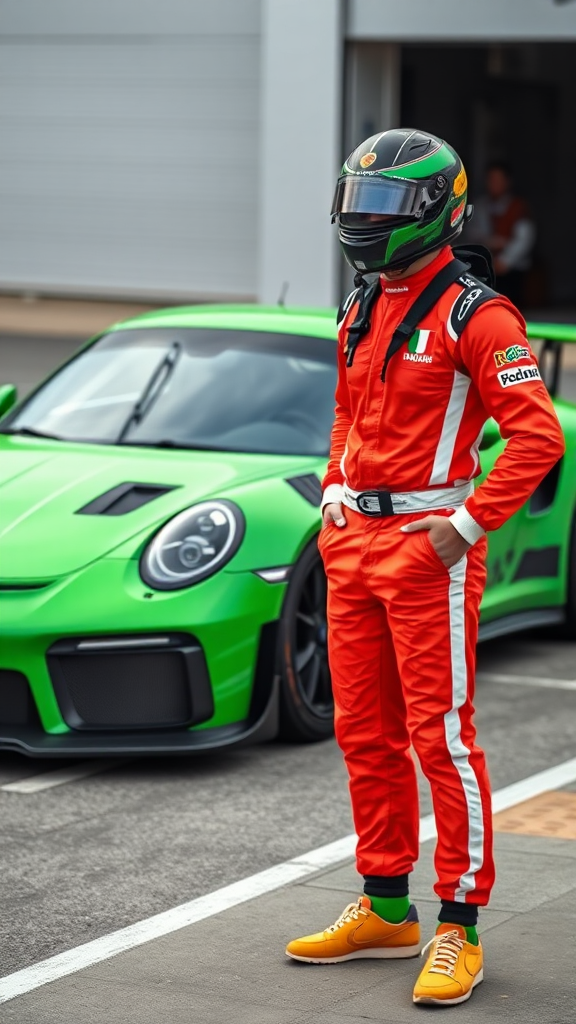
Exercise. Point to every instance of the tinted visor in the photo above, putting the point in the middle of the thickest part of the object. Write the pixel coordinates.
(377, 195)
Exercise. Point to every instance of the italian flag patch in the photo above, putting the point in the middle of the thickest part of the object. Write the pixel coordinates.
(421, 341)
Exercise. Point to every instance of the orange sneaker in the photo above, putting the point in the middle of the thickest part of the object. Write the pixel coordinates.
(357, 934)
(453, 968)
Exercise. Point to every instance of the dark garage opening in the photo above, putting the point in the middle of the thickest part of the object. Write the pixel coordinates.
(512, 102)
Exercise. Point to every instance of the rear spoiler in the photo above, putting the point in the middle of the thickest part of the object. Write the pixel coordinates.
(552, 336)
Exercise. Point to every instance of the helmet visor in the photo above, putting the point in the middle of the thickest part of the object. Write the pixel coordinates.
(377, 195)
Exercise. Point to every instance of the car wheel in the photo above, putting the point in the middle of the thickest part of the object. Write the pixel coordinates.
(306, 704)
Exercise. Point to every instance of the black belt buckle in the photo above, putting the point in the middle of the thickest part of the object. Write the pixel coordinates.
(375, 503)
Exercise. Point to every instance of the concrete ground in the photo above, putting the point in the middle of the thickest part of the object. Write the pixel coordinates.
(231, 967)
(82, 860)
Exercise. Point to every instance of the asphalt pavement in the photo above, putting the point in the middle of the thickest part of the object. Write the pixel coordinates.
(81, 860)
(97, 854)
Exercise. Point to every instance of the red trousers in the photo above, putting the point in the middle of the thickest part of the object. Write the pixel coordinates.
(402, 631)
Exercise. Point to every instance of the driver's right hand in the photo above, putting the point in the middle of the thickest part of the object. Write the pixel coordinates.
(333, 514)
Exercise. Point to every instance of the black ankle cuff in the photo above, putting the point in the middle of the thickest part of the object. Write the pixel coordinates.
(387, 886)
(465, 914)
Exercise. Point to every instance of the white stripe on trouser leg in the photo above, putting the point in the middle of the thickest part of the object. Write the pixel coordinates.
(458, 751)
(450, 428)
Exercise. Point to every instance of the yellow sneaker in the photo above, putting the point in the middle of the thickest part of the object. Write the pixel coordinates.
(359, 933)
(453, 968)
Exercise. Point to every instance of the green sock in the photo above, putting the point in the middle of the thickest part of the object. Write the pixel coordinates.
(393, 909)
(471, 933)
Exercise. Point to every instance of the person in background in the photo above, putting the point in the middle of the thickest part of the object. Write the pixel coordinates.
(502, 223)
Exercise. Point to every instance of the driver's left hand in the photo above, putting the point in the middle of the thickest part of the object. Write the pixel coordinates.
(448, 544)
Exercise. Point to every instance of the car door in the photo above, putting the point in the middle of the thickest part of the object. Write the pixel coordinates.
(499, 596)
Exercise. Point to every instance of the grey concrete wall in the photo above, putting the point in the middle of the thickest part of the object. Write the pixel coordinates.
(129, 156)
(301, 149)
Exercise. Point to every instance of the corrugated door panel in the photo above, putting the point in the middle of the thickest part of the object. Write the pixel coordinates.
(129, 165)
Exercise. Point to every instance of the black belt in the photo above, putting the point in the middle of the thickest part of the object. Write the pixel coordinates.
(374, 503)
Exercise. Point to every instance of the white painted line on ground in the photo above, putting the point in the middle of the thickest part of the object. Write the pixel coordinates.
(60, 777)
(546, 684)
(542, 782)
(290, 871)
(517, 793)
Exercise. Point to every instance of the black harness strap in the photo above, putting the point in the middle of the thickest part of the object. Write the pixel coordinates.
(346, 304)
(361, 325)
(476, 291)
(421, 306)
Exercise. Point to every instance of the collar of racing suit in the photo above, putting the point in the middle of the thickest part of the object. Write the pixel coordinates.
(405, 287)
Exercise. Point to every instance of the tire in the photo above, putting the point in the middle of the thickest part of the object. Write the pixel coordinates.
(306, 704)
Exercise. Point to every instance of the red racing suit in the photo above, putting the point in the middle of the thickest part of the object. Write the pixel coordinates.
(403, 627)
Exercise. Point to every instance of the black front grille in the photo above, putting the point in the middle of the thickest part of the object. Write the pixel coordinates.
(126, 688)
(16, 704)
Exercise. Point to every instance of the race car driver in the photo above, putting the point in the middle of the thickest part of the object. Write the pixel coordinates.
(404, 545)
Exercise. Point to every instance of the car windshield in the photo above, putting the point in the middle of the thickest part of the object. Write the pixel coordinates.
(227, 390)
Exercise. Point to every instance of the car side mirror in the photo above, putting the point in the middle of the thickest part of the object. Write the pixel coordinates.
(491, 435)
(8, 398)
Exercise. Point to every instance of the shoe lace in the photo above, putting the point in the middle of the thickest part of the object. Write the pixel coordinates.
(447, 948)
(352, 912)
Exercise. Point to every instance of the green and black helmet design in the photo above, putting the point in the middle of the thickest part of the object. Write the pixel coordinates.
(401, 194)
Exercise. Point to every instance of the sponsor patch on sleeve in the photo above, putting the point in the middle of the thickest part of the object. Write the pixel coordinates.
(511, 355)
(520, 375)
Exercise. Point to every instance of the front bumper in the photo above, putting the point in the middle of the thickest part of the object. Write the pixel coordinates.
(231, 616)
(34, 742)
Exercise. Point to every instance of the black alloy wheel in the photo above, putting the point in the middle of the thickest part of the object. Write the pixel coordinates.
(306, 704)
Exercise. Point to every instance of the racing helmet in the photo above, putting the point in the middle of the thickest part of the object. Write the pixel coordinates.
(401, 194)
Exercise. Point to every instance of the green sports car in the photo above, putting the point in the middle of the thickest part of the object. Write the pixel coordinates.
(160, 587)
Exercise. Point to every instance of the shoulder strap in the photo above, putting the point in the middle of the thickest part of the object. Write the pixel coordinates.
(345, 305)
(367, 295)
(474, 295)
(422, 305)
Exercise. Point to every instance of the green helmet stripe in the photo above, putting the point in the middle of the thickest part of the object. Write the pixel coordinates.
(401, 236)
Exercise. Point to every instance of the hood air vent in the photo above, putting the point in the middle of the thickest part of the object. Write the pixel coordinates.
(123, 499)
(308, 486)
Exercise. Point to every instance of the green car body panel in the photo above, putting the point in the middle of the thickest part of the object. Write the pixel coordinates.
(64, 574)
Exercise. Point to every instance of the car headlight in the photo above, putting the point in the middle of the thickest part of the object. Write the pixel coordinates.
(193, 545)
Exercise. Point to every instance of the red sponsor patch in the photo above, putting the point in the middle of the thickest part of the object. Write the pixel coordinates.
(457, 214)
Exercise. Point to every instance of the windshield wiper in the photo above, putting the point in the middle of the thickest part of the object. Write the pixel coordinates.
(32, 432)
(168, 443)
(152, 390)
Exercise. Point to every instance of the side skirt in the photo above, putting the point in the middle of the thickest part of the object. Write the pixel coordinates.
(520, 621)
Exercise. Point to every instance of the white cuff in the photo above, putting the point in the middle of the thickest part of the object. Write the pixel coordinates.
(334, 492)
(466, 525)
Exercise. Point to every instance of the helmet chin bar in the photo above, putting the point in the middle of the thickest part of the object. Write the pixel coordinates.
(382, 268)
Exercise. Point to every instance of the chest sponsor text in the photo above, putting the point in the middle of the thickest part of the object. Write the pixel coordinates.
(417, 357)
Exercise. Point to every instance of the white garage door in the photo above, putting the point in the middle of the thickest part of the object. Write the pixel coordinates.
(128, 163)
